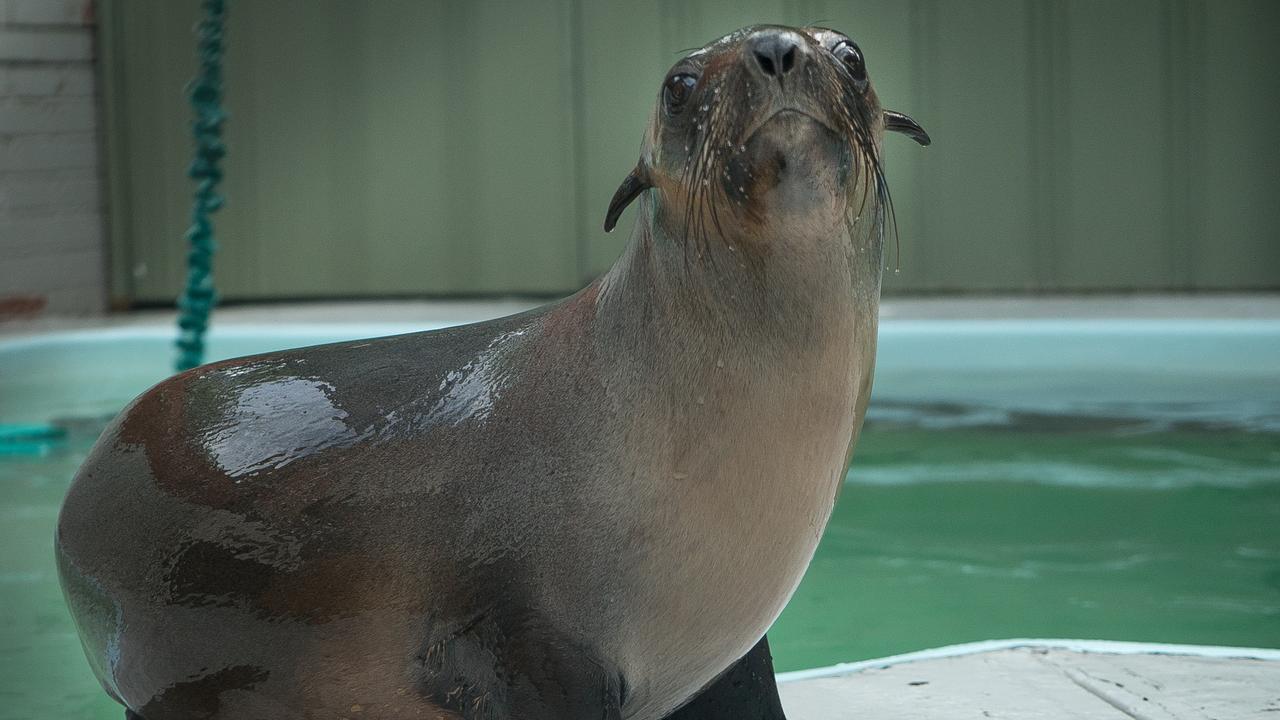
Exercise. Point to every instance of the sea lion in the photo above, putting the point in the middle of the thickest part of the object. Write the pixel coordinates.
(587, 510)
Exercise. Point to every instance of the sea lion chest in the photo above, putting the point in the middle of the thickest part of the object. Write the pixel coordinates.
(743, 466)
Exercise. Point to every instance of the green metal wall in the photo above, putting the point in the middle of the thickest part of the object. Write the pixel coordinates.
(413, 147)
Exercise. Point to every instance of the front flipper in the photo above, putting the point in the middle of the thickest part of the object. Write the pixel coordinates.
(511, 664)
(746, 691)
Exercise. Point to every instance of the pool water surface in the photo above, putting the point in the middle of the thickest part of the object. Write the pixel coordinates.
(1106, 480)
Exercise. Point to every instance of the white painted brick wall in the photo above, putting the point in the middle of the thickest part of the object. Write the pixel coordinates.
(52, 238)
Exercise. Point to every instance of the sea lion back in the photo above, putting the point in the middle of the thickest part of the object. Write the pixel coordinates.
(253, 528)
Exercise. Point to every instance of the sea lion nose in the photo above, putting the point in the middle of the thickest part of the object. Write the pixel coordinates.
(776, 52)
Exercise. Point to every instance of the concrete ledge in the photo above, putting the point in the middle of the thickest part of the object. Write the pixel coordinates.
(1109, 647)
(1024, 679)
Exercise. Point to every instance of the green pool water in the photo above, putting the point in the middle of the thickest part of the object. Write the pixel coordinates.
(959, 521)
(1159, 537)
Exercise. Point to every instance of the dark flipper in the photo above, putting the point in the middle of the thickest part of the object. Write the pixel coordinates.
(131, 715)
(506, 664)
(746, 691)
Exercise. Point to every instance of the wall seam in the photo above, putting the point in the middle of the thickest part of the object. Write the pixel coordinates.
(578, 130)
(1172, 160)
(920, 46)
(1036, 159)
(115, 154)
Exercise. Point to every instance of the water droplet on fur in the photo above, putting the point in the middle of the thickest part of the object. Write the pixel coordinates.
(680, 475)
(702, 400)
(719, 362)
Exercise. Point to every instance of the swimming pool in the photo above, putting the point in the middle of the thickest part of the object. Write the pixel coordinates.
(1108, 478)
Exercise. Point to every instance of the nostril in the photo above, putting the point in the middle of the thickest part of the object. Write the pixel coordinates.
(777, 53)
(766, 63)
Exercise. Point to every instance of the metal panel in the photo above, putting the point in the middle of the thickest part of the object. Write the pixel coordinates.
(1109, 123)
(622, 67)
(449, 147)
(1236, 117)
(976, 219)
(147, 145)
(294, 170)
(374, 148)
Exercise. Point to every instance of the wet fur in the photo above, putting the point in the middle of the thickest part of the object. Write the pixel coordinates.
(586, 511)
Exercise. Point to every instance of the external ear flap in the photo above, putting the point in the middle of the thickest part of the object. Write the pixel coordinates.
(897, 122)
(637, 182)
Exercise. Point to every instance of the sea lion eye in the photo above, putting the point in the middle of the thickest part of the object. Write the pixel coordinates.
(677, 90)
(851, 56)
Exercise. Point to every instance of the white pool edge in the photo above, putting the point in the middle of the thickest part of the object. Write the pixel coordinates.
(1108, 647)
(291, 329)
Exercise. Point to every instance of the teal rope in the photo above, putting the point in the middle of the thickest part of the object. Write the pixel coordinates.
(199, 297)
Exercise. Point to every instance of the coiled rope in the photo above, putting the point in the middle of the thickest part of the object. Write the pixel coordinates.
(199, 297)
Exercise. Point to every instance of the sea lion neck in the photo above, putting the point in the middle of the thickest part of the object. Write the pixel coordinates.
(779, 295)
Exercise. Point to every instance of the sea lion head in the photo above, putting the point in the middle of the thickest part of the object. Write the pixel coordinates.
(767, 131)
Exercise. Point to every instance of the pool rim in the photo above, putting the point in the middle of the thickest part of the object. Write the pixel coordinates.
(1107, 647)
(297, 329)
